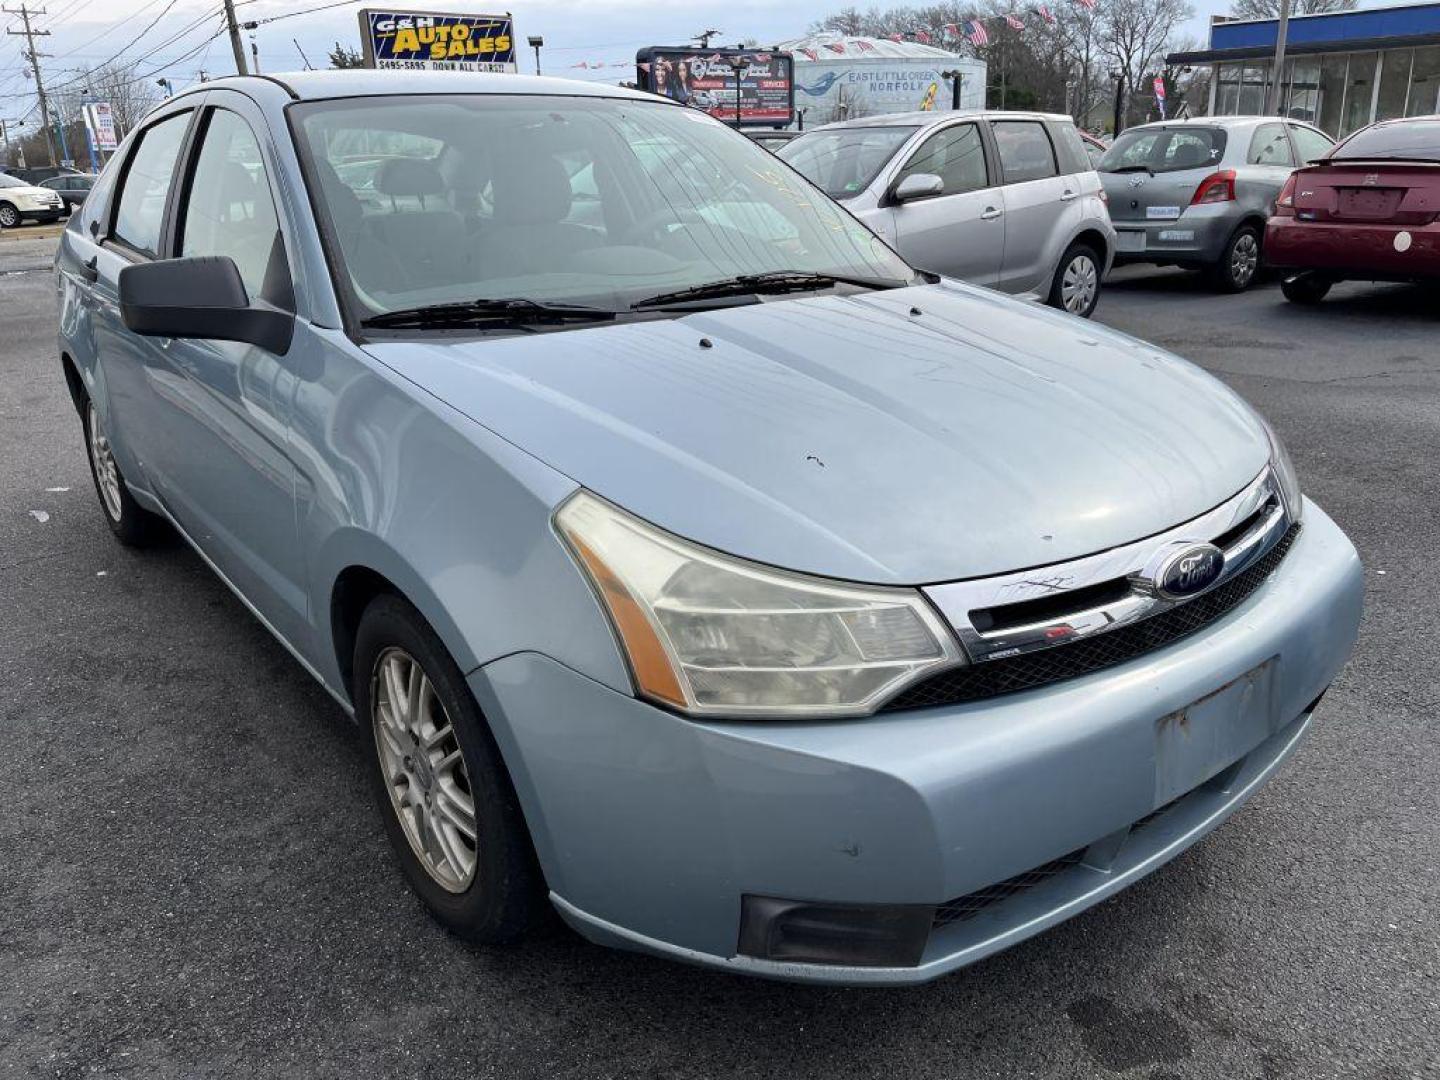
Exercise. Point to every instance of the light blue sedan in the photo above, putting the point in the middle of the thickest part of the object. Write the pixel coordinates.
(689, 561)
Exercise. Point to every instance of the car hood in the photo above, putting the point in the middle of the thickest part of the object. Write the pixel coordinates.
(906, 436)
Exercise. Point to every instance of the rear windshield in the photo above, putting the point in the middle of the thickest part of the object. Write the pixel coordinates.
(1418, 141)
(842, 161)
(1160, 150)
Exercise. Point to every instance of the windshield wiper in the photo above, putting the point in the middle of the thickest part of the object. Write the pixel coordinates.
(1132, 168)
(774, 281)
(506, 311)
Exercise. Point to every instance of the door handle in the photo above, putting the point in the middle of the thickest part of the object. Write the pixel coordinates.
(1069, 196)
(991, 213)
(90, 271)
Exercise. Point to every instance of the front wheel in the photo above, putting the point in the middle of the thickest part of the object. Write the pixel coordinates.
(449, 808)
(1239, 262)
(1076, 285)
(1305, 289)
(9, 216)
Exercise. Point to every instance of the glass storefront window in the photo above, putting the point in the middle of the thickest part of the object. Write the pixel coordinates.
(1424, 82)
(1303, 101)
(1253, 84)
(1394, 82)
(1332, 93)
(1227, 96)
(1359, 92)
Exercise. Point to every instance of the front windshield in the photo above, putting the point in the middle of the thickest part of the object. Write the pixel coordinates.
(11, 181)
(586, 201)
(842, 161)
(1159, 150)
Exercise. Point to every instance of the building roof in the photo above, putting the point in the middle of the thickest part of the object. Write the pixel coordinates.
(861, 48)
(1397, 26)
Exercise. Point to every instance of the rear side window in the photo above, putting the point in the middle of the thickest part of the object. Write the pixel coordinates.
(1025, 150)
(1160, 150)
(141, 205)
(1417, 140)
(1270, 146)
(1073, 147)
(1309, 143)
(956, 155)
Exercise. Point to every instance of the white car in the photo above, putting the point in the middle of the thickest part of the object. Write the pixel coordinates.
(20, 201)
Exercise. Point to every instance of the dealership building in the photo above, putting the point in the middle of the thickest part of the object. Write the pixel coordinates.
(1342, 70)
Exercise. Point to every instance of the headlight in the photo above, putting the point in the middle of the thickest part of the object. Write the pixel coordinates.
(1285, 473)
(717, 636)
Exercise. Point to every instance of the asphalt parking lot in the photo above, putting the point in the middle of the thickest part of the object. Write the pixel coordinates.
(193, 881)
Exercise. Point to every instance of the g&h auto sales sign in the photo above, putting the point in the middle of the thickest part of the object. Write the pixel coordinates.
(434, 41)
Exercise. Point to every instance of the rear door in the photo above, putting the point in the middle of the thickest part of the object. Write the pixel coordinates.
(960, 232)
(1269, 163)
(1036, 200)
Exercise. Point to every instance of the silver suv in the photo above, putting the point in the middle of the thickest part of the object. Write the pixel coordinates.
(1005, 199)
(1197, 193)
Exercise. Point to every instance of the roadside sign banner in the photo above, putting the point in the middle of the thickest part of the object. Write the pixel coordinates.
(436, 41)
(100, 122)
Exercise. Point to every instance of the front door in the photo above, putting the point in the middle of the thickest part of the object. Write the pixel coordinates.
(961, 231)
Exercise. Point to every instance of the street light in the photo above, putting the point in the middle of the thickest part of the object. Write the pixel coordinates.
(166, 86)
(957, 80)
(738, 64)
(535, 42)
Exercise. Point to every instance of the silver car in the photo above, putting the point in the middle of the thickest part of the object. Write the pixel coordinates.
(1197, 193)
(1005, 199)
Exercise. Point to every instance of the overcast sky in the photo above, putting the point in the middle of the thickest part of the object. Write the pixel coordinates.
(606, 31)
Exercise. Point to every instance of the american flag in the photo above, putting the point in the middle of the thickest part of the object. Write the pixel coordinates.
(583, 64)
(1014, 23)
(835, 46)
(922, 36)
(864, 46)
(1046, 14)
(975, 29)
(811, 54)
(1088, 5)
(950, 29)
(896, 37)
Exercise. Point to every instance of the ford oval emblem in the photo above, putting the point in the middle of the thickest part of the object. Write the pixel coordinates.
(1189, 571)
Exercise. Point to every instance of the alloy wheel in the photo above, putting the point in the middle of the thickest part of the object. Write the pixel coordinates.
(1078, 285)
(9, 217)
(107, 474)
(424, 770)
(1244, 259)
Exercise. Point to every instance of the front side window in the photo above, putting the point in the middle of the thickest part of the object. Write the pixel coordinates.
(1025, 150)
(141, 206)
(956, 155)
(1310, 145)
(228, 209)
(581, 201)
(842, 162)
(1270, 146)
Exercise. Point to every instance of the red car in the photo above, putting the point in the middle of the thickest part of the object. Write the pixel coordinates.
(1367, 210)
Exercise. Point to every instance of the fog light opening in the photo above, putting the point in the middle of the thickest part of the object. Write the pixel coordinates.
(858, 935)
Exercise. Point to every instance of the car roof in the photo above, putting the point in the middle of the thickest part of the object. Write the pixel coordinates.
(1218, 121)
(932, 117)
(365, 82)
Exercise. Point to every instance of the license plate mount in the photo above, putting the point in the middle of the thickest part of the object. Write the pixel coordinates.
(1202, 739)
(1129, 240)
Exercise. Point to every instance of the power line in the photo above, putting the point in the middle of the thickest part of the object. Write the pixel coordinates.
(33, 56)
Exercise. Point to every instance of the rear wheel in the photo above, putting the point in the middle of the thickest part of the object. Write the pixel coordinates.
(131, 524)
(1076, 285)
(1239, 262)
(1305, 288)
(443, 791)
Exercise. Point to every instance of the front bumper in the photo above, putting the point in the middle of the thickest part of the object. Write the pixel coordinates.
(1196, 238)
(651, 828)
(1354, 250)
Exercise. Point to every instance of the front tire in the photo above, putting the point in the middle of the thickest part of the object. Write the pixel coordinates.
(1239, 262)
(446, 799)
(9, 216)
(132, 525)
(1307, 289)
(1076, 285)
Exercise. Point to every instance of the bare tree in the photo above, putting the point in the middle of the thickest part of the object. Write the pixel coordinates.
(1270, 9)
(1138, 33)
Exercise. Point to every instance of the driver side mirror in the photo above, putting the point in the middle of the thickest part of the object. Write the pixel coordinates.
(918, 186)
(200, 297)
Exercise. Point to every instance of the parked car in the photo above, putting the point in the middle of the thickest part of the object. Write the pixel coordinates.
(772, 139)
(35, 175)
(1196, 193)
(1094, 148)
(1004, 199)
(1366, 210)
(72, 187)
(21, 201)
(765, 605)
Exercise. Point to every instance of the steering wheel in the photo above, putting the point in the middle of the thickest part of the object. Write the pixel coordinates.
(649, 225)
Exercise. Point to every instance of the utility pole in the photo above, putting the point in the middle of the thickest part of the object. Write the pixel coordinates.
(1276, 103)
(33, 55)
(236, 45)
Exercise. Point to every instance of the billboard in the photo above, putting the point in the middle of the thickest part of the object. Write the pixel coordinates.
(433, 41)
(705, 79)
(100, 122)
(844, 88)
